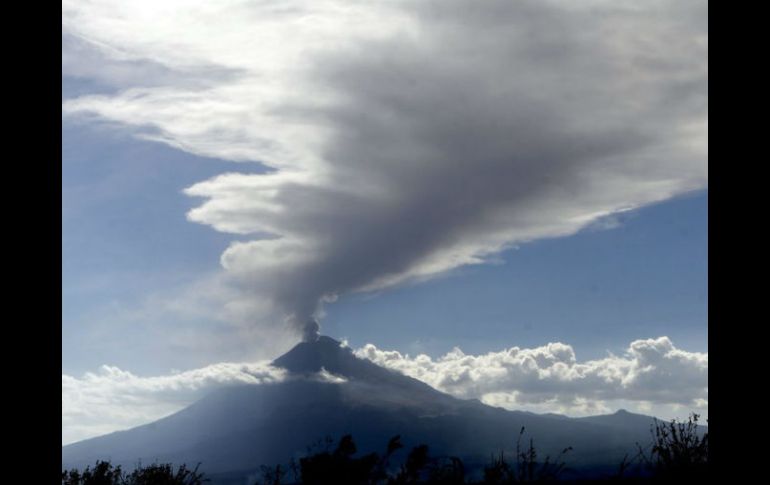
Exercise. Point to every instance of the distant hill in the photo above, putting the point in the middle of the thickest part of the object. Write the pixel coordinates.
(234, 430)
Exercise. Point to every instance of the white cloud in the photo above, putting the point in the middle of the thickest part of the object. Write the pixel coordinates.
(113, 399)
(651, 374)
(406, 138)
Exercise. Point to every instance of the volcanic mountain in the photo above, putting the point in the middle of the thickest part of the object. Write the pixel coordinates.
(330, 392)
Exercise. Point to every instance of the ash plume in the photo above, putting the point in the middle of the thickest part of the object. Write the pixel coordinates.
(406, 139)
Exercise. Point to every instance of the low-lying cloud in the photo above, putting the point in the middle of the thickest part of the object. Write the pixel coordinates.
(652, 377)
(652, 371)
(404, 139)
(113, 399)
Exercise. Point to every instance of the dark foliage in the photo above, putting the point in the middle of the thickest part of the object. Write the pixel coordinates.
(339, 467)
(527, 469)
(104, 473)
(342, 467)
(678, 452)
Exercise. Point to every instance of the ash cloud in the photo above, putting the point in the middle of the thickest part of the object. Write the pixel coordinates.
(406, 139)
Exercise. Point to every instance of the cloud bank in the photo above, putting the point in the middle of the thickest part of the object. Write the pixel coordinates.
(652, 377)
(400, 140)
(652, 371)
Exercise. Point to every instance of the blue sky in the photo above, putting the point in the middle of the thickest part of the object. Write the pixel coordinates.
(234, 173)
(124, 234)
(597, 290)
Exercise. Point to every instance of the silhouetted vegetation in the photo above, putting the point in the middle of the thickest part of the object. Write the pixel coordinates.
(678, 453)
(338, 466)
(526, 469)
(104, 473)
(341, 467)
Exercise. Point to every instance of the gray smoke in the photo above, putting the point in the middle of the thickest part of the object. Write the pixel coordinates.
(311, 331)
(460, 130)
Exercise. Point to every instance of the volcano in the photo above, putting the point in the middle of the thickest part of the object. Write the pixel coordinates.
(329, 393)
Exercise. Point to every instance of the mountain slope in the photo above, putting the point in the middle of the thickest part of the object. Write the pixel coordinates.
(234, 430)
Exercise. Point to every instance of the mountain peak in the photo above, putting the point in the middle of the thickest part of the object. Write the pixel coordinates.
(311, 356)
(326, 353)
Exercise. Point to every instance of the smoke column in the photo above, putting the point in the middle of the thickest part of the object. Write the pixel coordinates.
(400, 140)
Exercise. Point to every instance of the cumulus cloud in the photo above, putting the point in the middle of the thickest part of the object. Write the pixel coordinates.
(405, 139)
(651, 372)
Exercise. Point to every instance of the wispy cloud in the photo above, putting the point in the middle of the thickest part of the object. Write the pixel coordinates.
(405, 138)
(207, 319)
(113, 399)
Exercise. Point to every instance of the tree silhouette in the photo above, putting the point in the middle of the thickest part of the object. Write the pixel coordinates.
(339, 467)
(342, 467)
